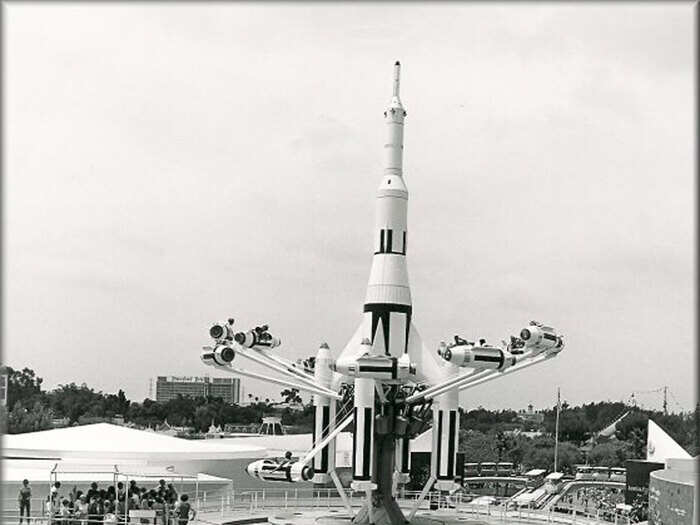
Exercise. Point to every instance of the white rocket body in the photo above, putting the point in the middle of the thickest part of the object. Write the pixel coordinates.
(324, 417)
(387, 311)
(387, 323)
(445, 439)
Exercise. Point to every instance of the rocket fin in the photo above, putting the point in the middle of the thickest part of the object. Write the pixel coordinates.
(429, 368)
(379, 342)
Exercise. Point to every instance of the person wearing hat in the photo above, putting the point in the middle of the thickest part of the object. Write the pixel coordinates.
(81, 509)
(24, 498)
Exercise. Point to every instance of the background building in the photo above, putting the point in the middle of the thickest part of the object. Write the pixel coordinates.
(169, 387)
(3, 388)
(531, 415)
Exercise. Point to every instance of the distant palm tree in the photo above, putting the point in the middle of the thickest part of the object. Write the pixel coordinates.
(291, 395)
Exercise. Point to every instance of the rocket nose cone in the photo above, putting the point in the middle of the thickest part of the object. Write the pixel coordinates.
(397, 63)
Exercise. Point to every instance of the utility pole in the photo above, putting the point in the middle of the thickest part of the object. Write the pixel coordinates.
(665, 401)
(556, 431)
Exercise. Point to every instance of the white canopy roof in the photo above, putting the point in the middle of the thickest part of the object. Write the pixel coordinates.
(38, 471)
(661, 447)
(103, 441)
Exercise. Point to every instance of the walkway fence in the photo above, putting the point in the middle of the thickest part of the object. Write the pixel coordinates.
(265, 501)
(256, 501)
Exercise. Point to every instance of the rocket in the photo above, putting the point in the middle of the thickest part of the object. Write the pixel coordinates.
(386, 336)
(388, 307)
(363, 440)
(324, 416)
(394, 381)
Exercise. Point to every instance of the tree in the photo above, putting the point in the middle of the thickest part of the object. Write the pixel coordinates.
(73, 401)
(541, 455)
(477, 446)
(501, 444)
(572, 427)
(568, 457)
(180, 411)
(22, 419)
(517, 448)
(149, 413)
(300, 420)
(203, 417)
(3, 420)
(116, 404)
(22, 385)
(610, 454)
(291, 395)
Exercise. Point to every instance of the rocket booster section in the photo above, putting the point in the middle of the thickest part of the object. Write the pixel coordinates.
(324, 416)
(363, 440)
(445, 439)
(388, 307)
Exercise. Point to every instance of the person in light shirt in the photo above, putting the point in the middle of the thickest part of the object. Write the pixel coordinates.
(109, 516)
(81, 509)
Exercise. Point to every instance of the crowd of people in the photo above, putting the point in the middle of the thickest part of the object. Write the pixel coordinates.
(593, 500)
(108, 505)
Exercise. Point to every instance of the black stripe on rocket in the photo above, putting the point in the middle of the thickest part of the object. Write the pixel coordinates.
(367, 439)
(451, 430)
(361, 471)
(354, 444)
(382, 312)
(438, 452)
(451, 444)
(500, 359)
(325, 423)
(405, 455)
(387, 244)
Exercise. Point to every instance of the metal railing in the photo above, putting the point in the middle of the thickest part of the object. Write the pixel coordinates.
(256, 501)
(41, 513)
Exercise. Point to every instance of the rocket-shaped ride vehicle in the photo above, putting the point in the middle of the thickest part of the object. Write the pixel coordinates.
(385, 382)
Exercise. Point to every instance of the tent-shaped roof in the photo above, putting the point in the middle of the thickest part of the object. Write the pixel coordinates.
(15, 470)
(609, 431)
(662, 447)
(103, 441)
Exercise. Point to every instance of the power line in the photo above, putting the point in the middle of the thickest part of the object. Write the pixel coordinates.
(663, 390)
(675, 400)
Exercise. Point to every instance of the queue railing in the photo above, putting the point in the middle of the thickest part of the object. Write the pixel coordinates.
(256, 501)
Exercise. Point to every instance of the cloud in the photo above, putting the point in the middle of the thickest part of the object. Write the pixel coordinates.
(172, 165)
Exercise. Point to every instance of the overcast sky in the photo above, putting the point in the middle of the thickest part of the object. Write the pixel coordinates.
(169, 165)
